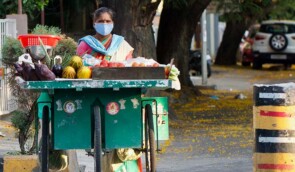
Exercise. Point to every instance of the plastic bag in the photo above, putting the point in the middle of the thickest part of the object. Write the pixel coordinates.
(89, 60)
(141, 62)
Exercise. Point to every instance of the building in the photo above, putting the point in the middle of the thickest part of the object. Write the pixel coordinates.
(7, 101)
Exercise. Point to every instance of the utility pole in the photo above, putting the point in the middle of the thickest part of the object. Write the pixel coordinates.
(204, 49)
(42, 14)
(62, 23)
(20, 7)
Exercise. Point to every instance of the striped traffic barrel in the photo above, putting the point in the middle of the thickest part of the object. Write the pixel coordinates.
(274, 127)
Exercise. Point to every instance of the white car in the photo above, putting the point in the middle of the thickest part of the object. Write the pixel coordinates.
(274, 43)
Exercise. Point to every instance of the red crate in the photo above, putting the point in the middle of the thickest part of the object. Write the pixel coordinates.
(32, 40)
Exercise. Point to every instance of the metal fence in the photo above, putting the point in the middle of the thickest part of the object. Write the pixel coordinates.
(7, 101)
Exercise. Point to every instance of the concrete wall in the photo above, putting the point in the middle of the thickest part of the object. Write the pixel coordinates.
(21, 22)
(7, 101)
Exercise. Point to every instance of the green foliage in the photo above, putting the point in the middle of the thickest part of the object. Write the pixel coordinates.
(283, 9)
(265, 3)
(26, 99)
(178, 4)
(251, 7)
(14, 153)
(242, 9)
(11, 50)
(7, 7)
(63, 47)
(66, 48)
(23, 121)
(41, 3)
(29, 7)
(47, 30)
(19, 120)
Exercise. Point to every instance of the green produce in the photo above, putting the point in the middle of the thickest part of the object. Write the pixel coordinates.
(174, 72)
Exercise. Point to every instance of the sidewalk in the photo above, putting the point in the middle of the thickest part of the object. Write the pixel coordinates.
(8, 141)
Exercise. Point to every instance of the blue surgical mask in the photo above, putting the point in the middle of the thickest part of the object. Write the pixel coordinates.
(103, 28)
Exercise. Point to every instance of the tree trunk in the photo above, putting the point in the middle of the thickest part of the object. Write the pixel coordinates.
(174, 42)
(177, 26)
(24, 132)
(234, 31)
(134, 22)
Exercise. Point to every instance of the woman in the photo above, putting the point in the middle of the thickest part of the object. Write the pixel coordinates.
(104, 45)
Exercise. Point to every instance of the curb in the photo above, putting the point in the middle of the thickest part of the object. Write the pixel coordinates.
(24, 163)
(4, 116)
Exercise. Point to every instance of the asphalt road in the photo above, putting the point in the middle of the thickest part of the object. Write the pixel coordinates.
(190, 158)
(8, 141)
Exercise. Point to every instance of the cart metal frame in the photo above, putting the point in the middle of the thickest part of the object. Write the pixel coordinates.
(100, 101)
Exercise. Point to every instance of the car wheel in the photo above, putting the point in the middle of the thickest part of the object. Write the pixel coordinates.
(278, 42)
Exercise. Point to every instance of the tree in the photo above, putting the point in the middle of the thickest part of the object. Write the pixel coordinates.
(134, 22)
(29, 7)
(239, 16)
(177, 25)
(77, 14)
(22, 119)
(284, 9)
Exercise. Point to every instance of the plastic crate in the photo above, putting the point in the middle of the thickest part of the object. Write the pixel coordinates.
(32, 40)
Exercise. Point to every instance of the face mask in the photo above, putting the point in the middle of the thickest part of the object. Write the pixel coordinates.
(103, 28)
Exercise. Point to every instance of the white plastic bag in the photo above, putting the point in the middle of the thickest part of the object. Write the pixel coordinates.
(89, 60)
(26, 58)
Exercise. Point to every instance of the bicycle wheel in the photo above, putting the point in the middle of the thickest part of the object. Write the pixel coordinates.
(150, 151)
(97, 139)
(45, 140)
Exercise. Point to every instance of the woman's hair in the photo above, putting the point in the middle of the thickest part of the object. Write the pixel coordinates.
(102, 10)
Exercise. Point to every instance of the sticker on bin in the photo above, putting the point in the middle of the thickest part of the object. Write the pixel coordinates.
(135, 103)
(122, 104)
(112, 108)
(69, 107)
(59, 105)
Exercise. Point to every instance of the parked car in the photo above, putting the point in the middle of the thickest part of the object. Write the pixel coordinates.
(274, 43)
(195, 63)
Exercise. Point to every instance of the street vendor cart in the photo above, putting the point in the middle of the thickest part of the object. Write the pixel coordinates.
(96, 114)
(103, 113)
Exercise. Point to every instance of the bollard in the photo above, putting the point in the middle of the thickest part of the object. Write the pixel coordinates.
(274, 127)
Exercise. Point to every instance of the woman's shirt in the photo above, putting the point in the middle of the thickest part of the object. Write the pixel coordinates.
(123, 52)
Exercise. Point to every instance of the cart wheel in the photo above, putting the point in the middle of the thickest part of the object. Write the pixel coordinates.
(150, 151)
(97, 139)
(45, 140)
